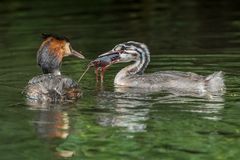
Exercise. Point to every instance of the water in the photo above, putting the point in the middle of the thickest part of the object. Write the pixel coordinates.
(196, 36)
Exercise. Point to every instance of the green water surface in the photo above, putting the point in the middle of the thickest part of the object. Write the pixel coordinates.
(190, 35)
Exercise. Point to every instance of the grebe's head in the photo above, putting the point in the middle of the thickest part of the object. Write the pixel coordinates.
(127, 52)
(51, 52)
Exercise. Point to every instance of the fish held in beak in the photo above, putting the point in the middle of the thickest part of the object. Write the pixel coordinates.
(103, 62)
(106, 59)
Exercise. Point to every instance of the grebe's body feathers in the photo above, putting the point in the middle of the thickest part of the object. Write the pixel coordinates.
(177, 82)
(52, 86)
(184, 83)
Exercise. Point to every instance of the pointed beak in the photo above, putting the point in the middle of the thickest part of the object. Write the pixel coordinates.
(109, 53)
(111, 56)
(77, 54)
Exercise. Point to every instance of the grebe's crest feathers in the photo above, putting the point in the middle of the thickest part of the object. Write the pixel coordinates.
(58, 37)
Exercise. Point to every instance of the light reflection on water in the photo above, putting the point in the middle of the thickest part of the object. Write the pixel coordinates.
(130, 110)
(195, 36)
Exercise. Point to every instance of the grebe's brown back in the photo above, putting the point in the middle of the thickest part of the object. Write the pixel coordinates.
(52, 86)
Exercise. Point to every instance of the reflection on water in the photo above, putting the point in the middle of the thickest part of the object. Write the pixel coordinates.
(130, 110)
(195, 36)
(127, 112)
(52, 124)
(51, 121)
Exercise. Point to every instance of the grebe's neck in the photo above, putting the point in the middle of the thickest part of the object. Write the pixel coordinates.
(137, 68)
(49, 59)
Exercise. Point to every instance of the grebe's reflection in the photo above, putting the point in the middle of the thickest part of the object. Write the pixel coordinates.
(130, 109)
(52, 122)
(125, 113)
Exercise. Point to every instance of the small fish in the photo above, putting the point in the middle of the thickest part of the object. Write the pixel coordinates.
(103, 62)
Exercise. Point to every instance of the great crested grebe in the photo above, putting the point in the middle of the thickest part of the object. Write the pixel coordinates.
(173, 81)
(52, 86)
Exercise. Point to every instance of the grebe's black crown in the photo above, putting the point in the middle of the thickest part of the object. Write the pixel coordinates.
(58, 37)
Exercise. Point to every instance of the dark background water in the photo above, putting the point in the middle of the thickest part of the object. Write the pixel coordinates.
(191, 35)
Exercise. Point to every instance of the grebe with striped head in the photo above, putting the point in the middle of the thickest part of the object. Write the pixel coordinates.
(184, 83)
(52, 86)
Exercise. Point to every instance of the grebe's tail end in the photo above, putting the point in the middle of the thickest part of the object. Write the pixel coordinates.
(215, 83)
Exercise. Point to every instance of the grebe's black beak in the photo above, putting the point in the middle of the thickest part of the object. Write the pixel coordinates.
(77, 54)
